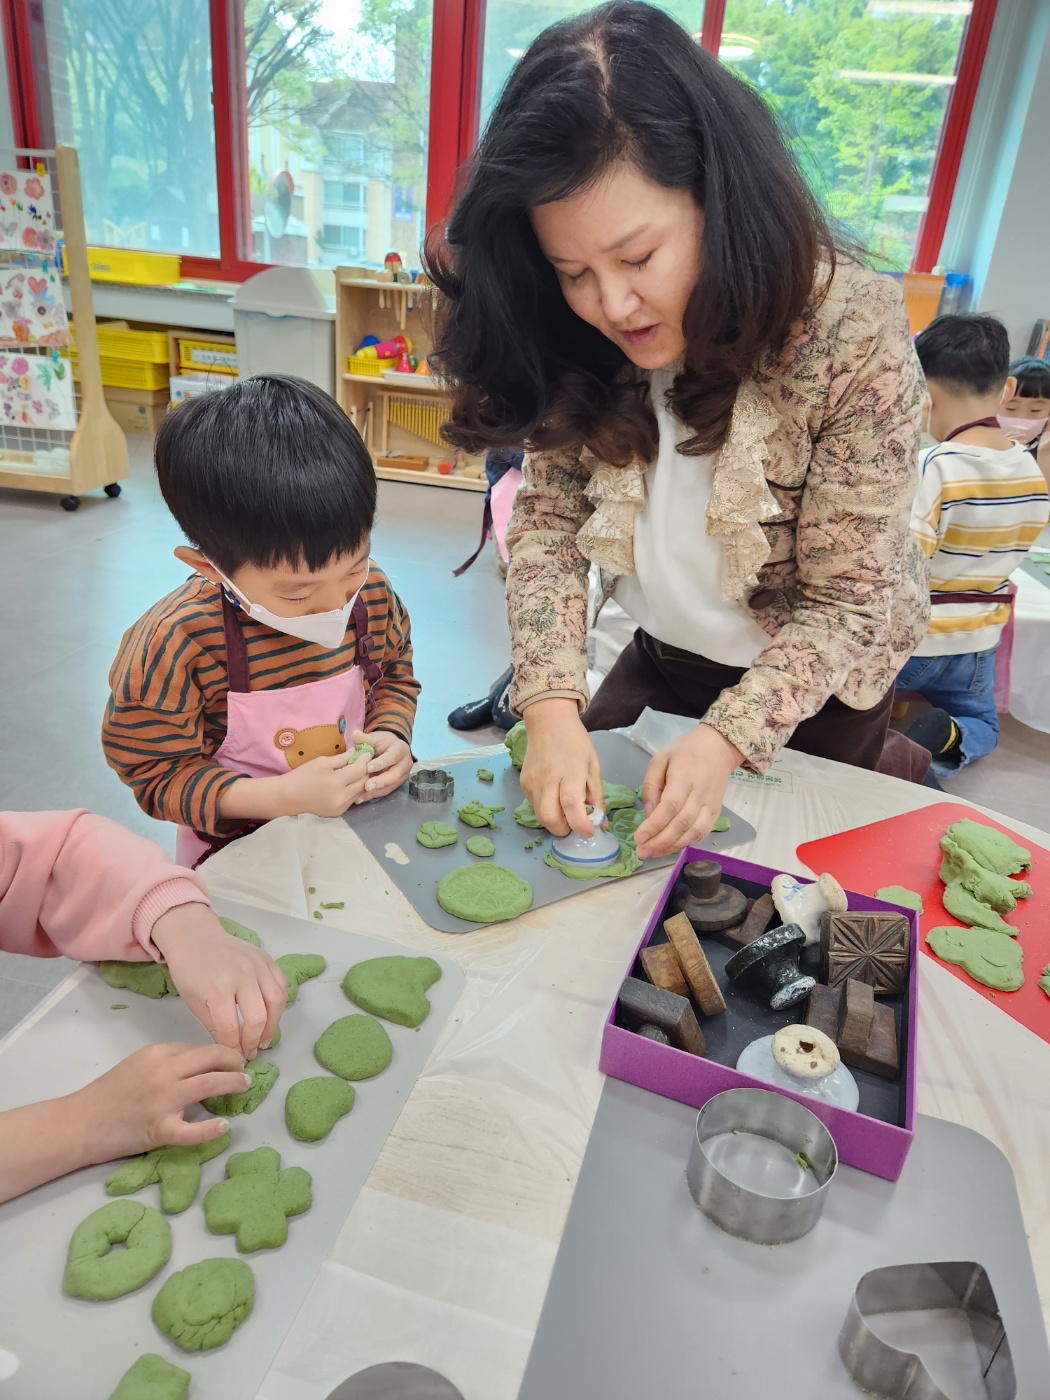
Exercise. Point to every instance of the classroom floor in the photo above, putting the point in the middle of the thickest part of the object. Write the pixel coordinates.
(70, 584)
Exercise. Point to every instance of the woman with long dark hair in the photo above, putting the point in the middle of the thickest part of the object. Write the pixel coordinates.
(721, 411)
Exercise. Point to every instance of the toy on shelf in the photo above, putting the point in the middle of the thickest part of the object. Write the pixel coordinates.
(406, 365)
(392, 263)
(384, 349)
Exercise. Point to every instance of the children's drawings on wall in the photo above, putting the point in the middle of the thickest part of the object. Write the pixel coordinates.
(31, 308)
(27, 215)
(36, 392)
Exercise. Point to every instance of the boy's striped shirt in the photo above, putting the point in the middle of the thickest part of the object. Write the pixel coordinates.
(166, 715)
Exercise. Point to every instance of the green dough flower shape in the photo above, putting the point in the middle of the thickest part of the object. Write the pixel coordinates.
(616, 797)
(990, 848)
(525, 815)
(199, 1307)
(478, 813)
(256, 1199)
(897, 894)
(962, 905)
(394, 987)
(299, 968)
(96, 1270)
(354, 1047)
(147, 979)
(626, 863)
(263, 1076)
(486, 775)
(480, 846)
(516, 742)
(177, 1168)
(997, 891)
(241, 931)
(484, 894)
(314, 1106)
(359, 750)
(437, 834)
(152, 1378)
(988, 957)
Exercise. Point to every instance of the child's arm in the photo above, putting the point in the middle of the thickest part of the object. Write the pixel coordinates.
(926, 508)
(395, 696)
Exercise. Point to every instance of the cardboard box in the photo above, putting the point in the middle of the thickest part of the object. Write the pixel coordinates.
(876, 1138)
(137, 410)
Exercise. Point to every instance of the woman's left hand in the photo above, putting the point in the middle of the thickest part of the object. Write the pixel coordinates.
(683, 791)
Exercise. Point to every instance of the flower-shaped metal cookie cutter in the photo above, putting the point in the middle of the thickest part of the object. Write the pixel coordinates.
(431, 785)
(884, 1370)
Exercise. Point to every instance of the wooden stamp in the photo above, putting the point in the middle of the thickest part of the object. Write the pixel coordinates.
(708, 904)
(644, 1006)
(702, 981)
(663, 969)
(873, 948)
(841, 1012)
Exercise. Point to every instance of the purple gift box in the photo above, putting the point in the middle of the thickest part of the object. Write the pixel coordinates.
(874, 1144)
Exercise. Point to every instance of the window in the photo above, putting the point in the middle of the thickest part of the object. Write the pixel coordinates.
(341, 239)
(340, 196)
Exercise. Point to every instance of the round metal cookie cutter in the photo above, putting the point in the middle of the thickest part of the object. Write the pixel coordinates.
(396, 1380)
(761, 1165)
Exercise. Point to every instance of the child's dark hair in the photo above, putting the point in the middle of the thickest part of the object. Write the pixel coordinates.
(1033, 377)
(268, 471)
(967, 354)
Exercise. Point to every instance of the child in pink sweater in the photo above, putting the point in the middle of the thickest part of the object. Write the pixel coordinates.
(82, 885)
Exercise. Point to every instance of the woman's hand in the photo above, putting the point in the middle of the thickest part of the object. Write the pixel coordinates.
(683, 791)
(391, 765)
(561, 773)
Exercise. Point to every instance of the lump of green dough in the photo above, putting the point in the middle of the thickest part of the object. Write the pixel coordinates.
(241, 931)
(998, 891)
(990, 848)
(263, 1076)
(486, 775)
(480, 846)
(96, 1269)
(436, 834)
(625, 823)
(988, 957)
(962, 905)
(525, 814)
(478, 813)
(362, 750)
(394, 987)
(626, 863)
(516, 742)
(354, 1047)
(722, 823)
(177, 1168)
(256, 1199)
(299, 968)
(898, 894)
(152, 1378)
(275, 1041)
(1044, 980)
(528, 846)
(199, 1307)
(314, 1106)
(147, 979)
(615, 797)
(484, 894)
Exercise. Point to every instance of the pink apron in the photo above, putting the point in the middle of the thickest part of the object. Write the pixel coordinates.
(270, 732)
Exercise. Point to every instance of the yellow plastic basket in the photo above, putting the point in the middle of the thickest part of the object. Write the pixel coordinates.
(126, 343)
(128, 374)
(130, 265)
(215, 356)
(360, 364)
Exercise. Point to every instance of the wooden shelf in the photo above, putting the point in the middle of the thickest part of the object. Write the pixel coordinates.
(432, 478)
(393, 386)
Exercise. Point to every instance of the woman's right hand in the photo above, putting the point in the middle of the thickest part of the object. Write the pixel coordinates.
(561, 773)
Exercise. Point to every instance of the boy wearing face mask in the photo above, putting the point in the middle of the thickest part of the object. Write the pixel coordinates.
(980, 505)
(236, 698)
(1023, 416)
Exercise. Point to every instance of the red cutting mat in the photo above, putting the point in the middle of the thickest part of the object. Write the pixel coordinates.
(905, 851)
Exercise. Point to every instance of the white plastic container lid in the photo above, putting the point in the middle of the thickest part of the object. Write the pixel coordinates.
(284, 291)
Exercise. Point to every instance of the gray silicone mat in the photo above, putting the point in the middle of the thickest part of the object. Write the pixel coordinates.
(71, 1349)
(649, 1298)
(393, 822)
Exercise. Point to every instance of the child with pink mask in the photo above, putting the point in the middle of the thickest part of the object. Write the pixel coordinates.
(1023, 415)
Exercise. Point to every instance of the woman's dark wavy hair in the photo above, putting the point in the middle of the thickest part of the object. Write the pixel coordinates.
(622, 83)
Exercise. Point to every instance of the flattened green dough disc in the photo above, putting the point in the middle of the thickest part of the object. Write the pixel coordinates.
(988, 957)
(177, 1168)
(990, 848)
(96, 1270)
(898, 894)
(299, 968)
(354, 1047)
(525, 814)
(626, 822)
(199, 1307)
(626, 863)
(516, 742)
(478, 813)
(997, 891)
(256, 1199)
(722, 823)
(394, 987)
(486, 775)
(436, 834)
(241, 931)
(962, 905)
(152, 1378)
(615, 797)
(263, 1076)
(480, 846)
(147, 979)
(484, 894)
(314, 1106)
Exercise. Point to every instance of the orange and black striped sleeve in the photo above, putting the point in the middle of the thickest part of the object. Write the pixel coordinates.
(396, 693)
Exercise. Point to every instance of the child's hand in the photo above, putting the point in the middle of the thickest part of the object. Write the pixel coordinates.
(219, 976)
(390, 767)
(324, 786)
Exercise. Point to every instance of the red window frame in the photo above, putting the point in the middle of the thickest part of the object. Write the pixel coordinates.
(455, 90)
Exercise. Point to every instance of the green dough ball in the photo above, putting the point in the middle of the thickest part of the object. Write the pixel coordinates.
(722, 823)
(394, 987)
(962, 905)
(626, 822)
(516, 742)
(256, 1199)
(436, 834)
(525, 814)
(95, 1269)
(615, 796)
(478, 813)
(528, 846)
(354, 1047)
(177, 1169)
(263, 1076)
(480, 846)
(314, 1106)
(1044, 980)
(152, 1378)
(241, 931)
(484, 894)
(147, 979)
(199, 1307)
(988, 957)
(626, 863)
(362, 750)
(486, 775)
(997, 891)
(299, 968)
(990, 848)
(898, 894)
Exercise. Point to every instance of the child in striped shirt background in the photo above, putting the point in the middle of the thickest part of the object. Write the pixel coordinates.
(981, 503)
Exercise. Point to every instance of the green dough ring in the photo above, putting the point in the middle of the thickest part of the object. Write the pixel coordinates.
(626, 822)
(616, 797)
(484, 894)
(1044, 980)
(354, 1047)
(94, 1269)
(478, 813)
(394, 987)
(299, 968)
(352, 755)
(199, 1307)
(516, 742)
(263, 1076)
(437, 834)
(480, 846)
(241, 931)
(147, 979)
(314, 1106)
(486, 775)
(998, 891)
(898, 894)
(152, 1378)
(990, 848)
(987, 956)
(525, 815)
(176, 1168)
(722, 823)
(256, 1199)
(962, 905)
(626, 863)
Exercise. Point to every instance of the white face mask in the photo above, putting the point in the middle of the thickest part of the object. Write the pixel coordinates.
(324, 629)
(1022, 430)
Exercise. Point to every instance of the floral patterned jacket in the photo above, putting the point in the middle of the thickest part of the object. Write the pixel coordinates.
(811, 497)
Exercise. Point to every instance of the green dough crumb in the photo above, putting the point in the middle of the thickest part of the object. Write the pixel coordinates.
(152, 1378)
(804, 1162)
(358, 751)
(318, 914)
(263, 1076)
(354, 1047)
(199, 1307)
(962, 905)
(299, 968)
(393, 987)
(484, 894)
(988, 957)
(256, 1199)
(990, 848)
(486, 775)
(436, 834)
(177, 1168)
(118, 1006)
(478, 813)
(998, 891)
(241, 931)
(95, 1269)
(314, 1106)
(538, 840)
(722, 823)
(528, 845)
(311, 890)
(626, 863)
(146, 979)
(615, 796)
(898, 894)
(516, 742)
(480, 846)
(525, 814)
(335, 904)
(1044, 980)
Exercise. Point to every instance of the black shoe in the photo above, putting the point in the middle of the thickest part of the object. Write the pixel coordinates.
(937, 732)
(475, 713)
